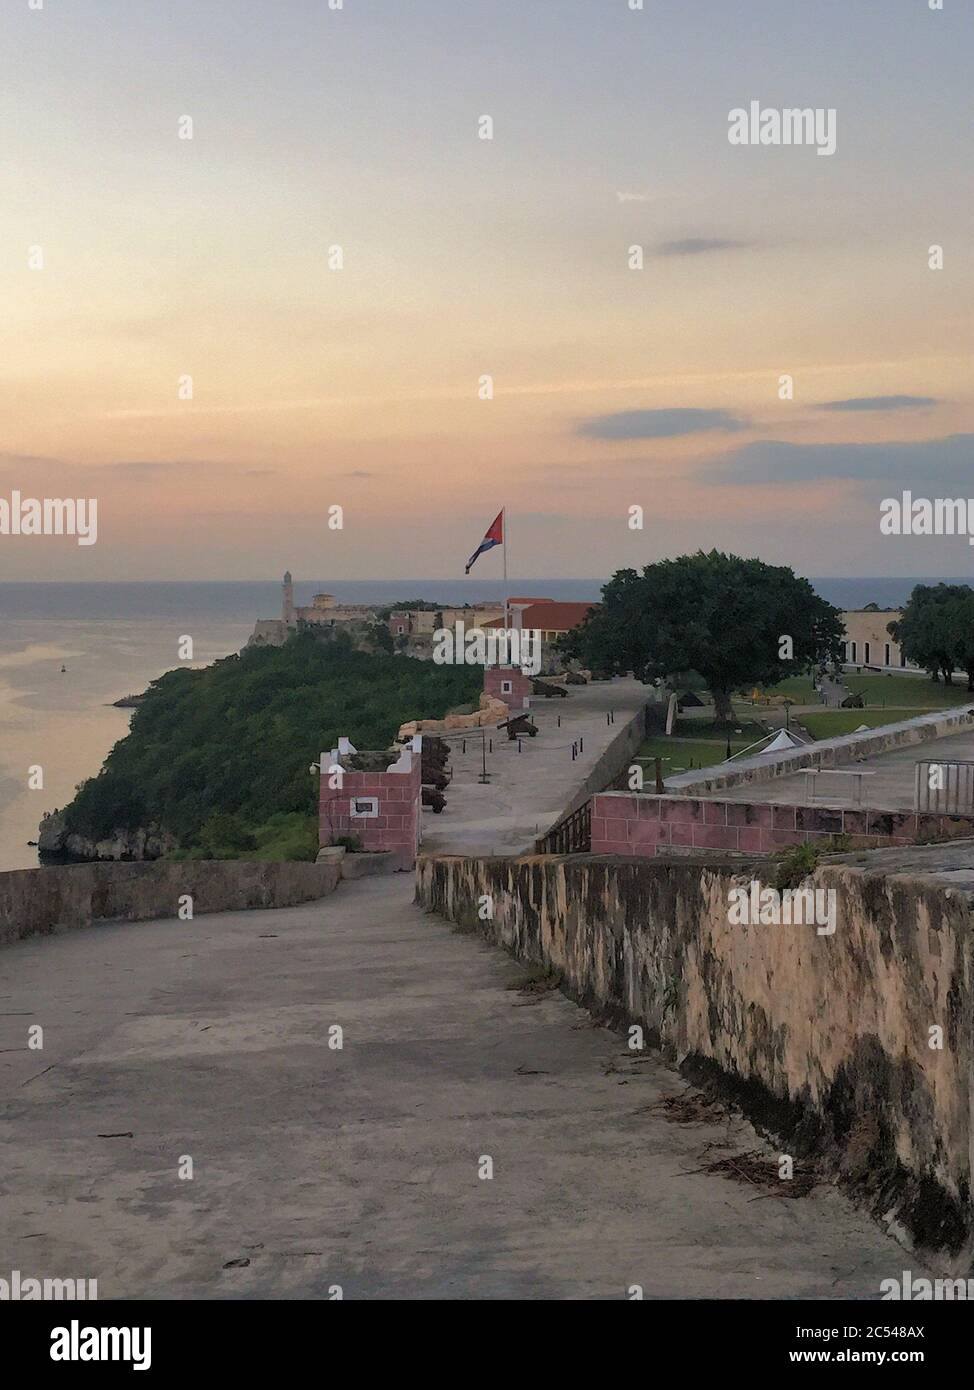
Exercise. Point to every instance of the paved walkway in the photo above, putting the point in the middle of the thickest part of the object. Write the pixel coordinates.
(528, 790)
(316, 1167)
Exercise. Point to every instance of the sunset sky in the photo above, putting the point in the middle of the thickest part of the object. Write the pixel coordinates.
(463, 257)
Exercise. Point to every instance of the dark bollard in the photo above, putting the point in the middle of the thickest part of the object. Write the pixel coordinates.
(519, 745)
(581, 745)
(464, 746)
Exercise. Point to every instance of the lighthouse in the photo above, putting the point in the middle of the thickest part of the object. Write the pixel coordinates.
(287, 601)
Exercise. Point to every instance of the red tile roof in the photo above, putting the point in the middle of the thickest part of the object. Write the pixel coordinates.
(551, 616)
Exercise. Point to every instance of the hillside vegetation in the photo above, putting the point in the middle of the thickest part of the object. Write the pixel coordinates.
(219, 757)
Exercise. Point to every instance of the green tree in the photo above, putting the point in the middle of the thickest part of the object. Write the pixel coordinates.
(218, 756)
(381, 637)
(721, 615)
(936, 630)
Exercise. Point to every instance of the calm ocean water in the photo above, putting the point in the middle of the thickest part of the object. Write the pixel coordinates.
(115, 638)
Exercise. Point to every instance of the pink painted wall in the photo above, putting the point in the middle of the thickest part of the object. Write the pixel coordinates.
(625, 823)
(398, 824)
(520, 696)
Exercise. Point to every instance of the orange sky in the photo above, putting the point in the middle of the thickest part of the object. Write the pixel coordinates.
(209, 257)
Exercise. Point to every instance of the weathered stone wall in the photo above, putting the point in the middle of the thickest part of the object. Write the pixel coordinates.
(645, 824)
(823, 1039)
(34, 901)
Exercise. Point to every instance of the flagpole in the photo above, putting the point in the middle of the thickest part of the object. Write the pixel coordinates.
(507, 591)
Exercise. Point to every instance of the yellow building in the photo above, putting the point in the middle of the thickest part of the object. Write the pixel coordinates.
(867, 643)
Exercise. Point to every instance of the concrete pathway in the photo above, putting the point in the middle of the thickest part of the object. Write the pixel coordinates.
(528, 790)
(316, 1167)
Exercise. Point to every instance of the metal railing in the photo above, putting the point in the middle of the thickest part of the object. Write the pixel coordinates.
(946, 787)
(572, 834)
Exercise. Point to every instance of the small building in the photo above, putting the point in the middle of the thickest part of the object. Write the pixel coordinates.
(550, 617)
(404, 622)
(867, 642)
(509, 684)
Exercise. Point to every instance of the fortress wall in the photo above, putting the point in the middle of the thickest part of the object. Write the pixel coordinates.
(631, 823)
(38, 901)
(824, 1040)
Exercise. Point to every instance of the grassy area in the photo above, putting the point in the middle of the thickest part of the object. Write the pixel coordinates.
(286, 836)
(744, 729)
(800, 688)
(909, 692)
(889, 699)
(833, 722)
(680, 754)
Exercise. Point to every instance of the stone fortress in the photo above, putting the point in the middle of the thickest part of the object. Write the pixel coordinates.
(412, 629)
(323, 611)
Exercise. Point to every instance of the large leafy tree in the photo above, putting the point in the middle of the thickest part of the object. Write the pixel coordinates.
(721, 615)
(936, 630)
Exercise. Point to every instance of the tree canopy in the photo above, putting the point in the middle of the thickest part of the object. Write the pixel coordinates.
(718, 614)
(936, 630)
(236, 739)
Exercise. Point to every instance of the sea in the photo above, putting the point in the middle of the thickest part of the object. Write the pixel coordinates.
(67, 651)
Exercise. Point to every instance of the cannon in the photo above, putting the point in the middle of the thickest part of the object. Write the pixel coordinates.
(435, 757)
(548, 690)
(517, 725)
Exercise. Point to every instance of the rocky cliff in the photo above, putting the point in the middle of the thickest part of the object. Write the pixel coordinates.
(55, 844)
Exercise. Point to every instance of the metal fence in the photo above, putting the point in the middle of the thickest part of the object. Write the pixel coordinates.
(573, 835)
(947, 787)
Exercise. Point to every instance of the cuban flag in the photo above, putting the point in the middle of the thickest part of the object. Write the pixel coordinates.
(494, 536)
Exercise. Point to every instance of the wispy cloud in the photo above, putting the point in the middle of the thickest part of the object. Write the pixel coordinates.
(700, 246)
(659, 424)
(158, 465)
(880, 403)
(943, 464)
(8, 460)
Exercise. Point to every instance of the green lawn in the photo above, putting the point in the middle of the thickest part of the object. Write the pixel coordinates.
(884, 691)
(680, 754)
(909, 692)
(833, 722)
(800, 688)
(889, 699)
(743, 728)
